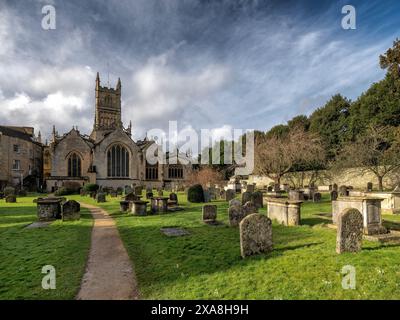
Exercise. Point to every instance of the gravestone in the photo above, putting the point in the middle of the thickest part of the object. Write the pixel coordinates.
(369, 186)
(209, 212)
(207, 196)
(255, 235)
(334, 195)
(119, 191)
(236, 214)
(101, 197)
(138, 190)
(317, 197)
(249, 208)
(173, 198)
(230, 194)
(235, 202)
(246, 196)
(71, 210)
(11, 198)
(335, 187)
(127, 190)
(124, 206)
(139, 207)
(343, 191)
(349, 231)
(149, 195)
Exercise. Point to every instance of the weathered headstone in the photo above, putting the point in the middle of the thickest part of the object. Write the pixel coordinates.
(249, 208)
(334, 195)
(255, 235)
(257, 198)
(101, 197)
(71, 210)
(246, 196)
(317, 197)
(369, 186)
(349, 231)
(235, 202)
(207, 196)
(173, 198)
(230, 194)
(335, 187)
(343, 191)
(209, 212)
(236, 214)
(139, 207)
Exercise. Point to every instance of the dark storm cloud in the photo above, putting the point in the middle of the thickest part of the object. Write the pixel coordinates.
(207, 64)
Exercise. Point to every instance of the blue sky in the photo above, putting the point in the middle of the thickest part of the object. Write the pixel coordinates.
(207, 64)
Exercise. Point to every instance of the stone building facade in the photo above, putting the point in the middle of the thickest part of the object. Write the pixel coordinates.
(20, 158)
(108, 156)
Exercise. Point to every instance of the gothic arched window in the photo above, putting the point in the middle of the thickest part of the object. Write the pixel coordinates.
(74, 165)
(118, 161)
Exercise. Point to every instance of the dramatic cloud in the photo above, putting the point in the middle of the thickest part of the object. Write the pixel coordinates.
(217, 64)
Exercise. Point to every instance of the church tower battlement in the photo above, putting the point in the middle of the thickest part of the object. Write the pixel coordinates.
(108, 106)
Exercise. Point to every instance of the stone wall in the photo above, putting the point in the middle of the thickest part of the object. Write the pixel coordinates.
(352, 177)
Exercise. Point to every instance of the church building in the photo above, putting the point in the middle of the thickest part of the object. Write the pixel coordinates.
(108, 156)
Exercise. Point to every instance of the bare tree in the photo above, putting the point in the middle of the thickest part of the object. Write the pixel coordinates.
(275, 156)
(205, 176)
(376, 151)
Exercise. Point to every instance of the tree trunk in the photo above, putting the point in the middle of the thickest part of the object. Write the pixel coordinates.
(380, 183)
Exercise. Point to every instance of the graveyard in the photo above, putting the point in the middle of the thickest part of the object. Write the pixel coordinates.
(200, 261)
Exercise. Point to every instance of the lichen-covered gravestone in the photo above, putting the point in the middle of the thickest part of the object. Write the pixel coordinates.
(349, 231)
(255, 235)
(236, 214)
(209, 212)
(71, 210)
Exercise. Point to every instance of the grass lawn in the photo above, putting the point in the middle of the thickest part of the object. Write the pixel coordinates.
(23, 252)
(207, 263)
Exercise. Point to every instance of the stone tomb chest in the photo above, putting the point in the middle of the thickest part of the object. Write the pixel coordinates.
(370, 208)
(285, 211)
(49, 208)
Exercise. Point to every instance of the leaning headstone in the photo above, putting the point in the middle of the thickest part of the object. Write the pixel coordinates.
(317, 197)
(236, 214)
(257, 198)
(101, 197)
(11, 198)
(334, 195)
(255, 235)
(246, 196)
(235, 202)
(249, 208)
(369, 186)
(349, 231)
(209, 212)
(71, 210)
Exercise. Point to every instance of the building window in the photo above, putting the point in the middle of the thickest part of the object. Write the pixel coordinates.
(175, 172)
(74, 165)
(151, 172)
(118, 162)
(16, 165)
(16, 148)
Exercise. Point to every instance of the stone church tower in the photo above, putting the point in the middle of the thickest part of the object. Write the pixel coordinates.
(109, 156)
